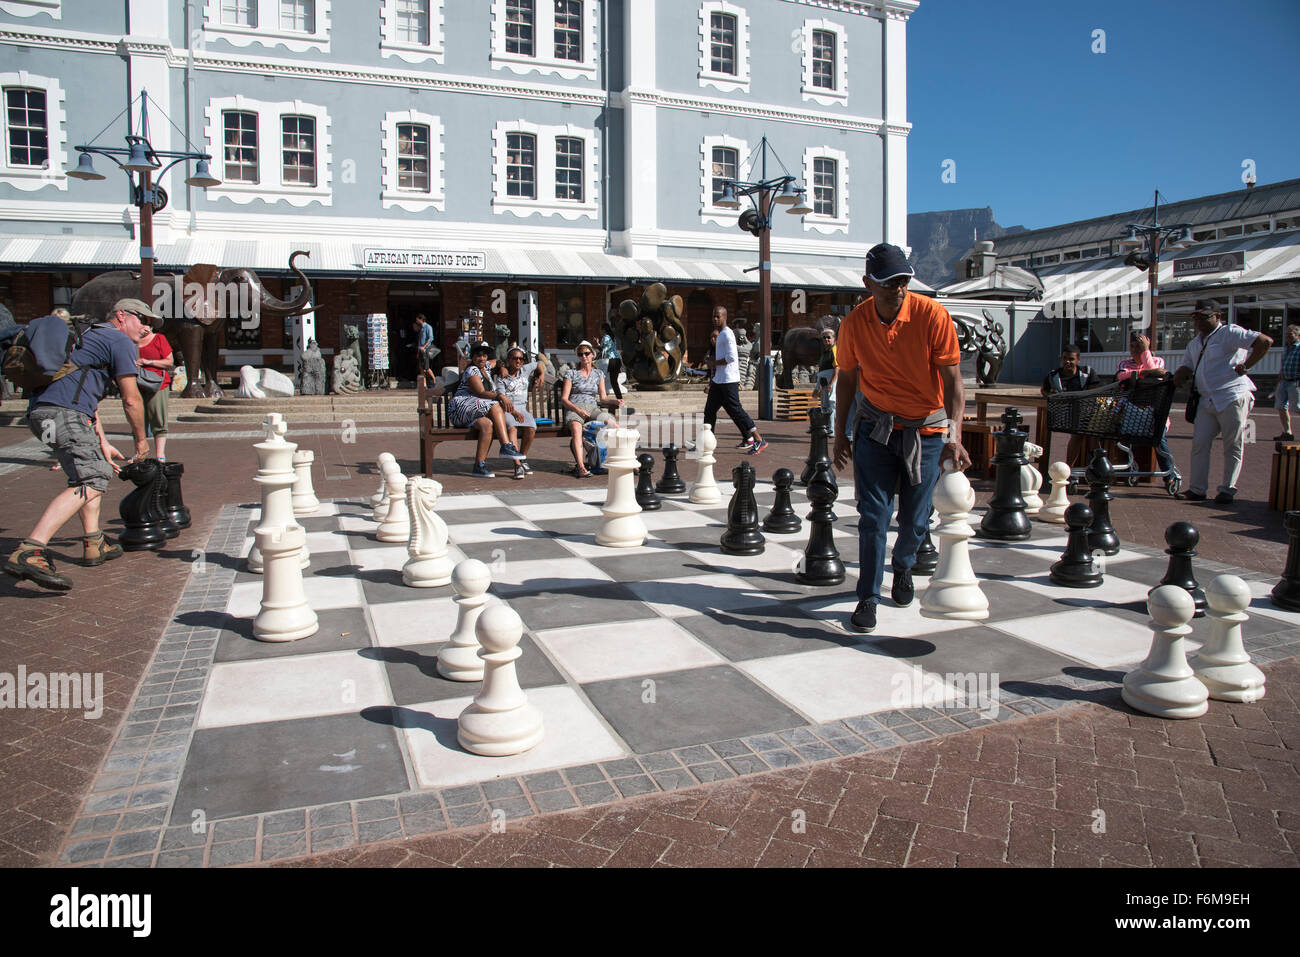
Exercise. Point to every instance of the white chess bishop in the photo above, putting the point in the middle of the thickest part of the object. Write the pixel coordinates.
(396, 526)
(1059, 499)
(1164, 685)
(622, 525)
(500, 721)
(705, 490)
(428, 565)
(458, 659)
(1222, 664)
(954, 591)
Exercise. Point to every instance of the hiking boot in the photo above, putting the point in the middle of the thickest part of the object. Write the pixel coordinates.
(863, 619)
(482, 471)
(99, 549)
(902, 591)
(32, 563)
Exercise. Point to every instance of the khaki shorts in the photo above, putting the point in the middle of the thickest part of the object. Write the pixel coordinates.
(155, 412)
(72, 436)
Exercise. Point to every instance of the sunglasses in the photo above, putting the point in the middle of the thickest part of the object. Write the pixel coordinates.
(584, 353)
(900, 283)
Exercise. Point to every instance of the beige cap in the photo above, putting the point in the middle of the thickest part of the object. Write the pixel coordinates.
(137, 307)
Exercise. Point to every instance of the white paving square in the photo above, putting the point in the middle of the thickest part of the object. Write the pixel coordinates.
(844, 682)
(417, 622)
(572, 735)
(1262, 605)
(551, 574)
(597, 652)
(585, 546)
(1087, 635)
(697, 594)
(493, 531)
(891, 621)
(321, 593)
(449, 503)
(774, 558)
(555, 510)
(676, 518)
(355, 523)
(301, 686)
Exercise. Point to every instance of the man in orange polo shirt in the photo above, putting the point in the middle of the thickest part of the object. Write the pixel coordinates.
(898, 355)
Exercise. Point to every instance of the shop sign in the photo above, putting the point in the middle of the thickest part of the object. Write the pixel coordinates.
(406, 257)
(1219, 262)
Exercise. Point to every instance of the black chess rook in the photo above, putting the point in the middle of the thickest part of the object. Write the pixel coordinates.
(821, 560)
(782, 520)
(645, 489)
(1182, 539)
(141, 508)
(742, 536)
(671, 483)
(1101, 537)
(177, 511)
(1286, 593)
(1075, 568)
(1005, 520)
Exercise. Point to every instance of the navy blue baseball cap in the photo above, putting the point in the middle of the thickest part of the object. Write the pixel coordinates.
(886, 262)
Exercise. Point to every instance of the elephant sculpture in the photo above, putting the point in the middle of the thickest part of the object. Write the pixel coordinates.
(196, 307)
(802, 346)
(651, 336)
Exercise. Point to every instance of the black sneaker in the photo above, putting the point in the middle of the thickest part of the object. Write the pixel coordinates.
(902, 592)
(863, 619)
(1193, 496)
(1223, 498)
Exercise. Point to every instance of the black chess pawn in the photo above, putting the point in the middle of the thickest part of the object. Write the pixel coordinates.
(742, 536)
(645, 489)
(782, 520)
(1182, 538)
(141, 509)
(818, 447)
(174, 503)
(927, 555)
(1286, 593)
(1099, 475)
(1075, 568)
(821, 560)
(671, 483)
(1005, 520)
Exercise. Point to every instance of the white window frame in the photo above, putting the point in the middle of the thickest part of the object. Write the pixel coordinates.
(280, 15)
(390, 45)
(708, 212)
(268, 32)
(257, 147)
(252, 8)
(28, 178)
(407, 199)
(839, 95)
(812, 222)
(546, 204)
(544, 60)
(726, 82)
(30, 8)
(270, 152)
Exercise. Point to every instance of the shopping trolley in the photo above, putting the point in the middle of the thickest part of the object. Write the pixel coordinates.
(1132, 412)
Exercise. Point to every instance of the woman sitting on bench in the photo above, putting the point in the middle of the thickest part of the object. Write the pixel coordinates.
(581, 396)
(474, 405)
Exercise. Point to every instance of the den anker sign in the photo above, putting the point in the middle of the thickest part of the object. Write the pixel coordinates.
(1219, 262)
(442, 260)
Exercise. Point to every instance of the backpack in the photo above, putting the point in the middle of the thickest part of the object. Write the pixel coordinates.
(41, 353)
(593, 447)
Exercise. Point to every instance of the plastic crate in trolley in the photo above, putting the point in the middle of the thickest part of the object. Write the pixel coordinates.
(1135, 409)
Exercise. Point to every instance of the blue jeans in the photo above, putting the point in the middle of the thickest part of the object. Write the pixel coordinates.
(876, 470)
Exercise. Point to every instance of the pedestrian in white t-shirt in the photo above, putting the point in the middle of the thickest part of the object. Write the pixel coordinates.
(724, 391)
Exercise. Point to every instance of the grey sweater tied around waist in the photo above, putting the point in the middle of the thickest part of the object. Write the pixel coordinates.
(882, 427)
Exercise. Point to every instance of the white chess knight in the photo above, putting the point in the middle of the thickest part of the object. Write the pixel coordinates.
(705, 490)
(1164, 685)
(1031, 480)
(954, 591)
(500, 721)
(276, 477)
(428, 565)
(622, 525)
(382, 465)
(396, 526)
(285, 614)
(387, 468)
(1223, 665)
(305, 501)
(1059, 499)
(458, 659)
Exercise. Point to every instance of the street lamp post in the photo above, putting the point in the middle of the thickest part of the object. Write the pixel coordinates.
(763, 195)
(144, 167)
(1145, 243)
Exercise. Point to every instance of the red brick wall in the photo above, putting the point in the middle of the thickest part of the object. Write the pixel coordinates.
(32, 296)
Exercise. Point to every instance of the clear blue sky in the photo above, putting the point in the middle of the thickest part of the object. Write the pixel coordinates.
(1046, 131)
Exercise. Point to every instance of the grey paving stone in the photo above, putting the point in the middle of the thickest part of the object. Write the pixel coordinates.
(696, 754)
(598, 793)
(283, 822)
(944, 726)
(731, 748)
(90, 826)
(883, 739)
(146, 797)
(424, 822)
(125, 762)
(502, 788)
(546, 781)
(138, 861)
(114, 801)
(381, 829)
(115, 781)
(377, 809)
(849, 745)
(279, 846)
(673, 779)
(414, 803)
(891, 719)
(797, 736)
(747, 765)
(234, 852)
(782, 758)
(548, 801)
(332, 838)
(584, 774)
(817, 752)
(466, 814)
(182, 837)
(711, 771)
(138, 820)
(631, 787)
(159, 776)
(456, 797)
(913, 732)
(136, 842)
(832, 730)
(85, 851)
(660, 761)
(514, 807)
(234, 830)
(765, 742)
(192, 857)
(621, 768)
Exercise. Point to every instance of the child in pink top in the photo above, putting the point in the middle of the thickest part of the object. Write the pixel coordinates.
(1142, 362)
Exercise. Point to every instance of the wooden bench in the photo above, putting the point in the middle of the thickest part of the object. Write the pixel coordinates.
(431, 404)
(1284, 483)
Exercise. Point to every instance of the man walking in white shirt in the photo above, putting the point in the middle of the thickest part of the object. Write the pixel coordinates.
(1218, 358)
(724, 390)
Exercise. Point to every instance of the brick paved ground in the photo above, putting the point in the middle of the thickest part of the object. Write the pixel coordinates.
(111, 621)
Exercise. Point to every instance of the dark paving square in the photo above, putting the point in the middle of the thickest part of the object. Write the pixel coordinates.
(663, 564)
(381, 585)
(581, 606)
(1008, 601)
(570, 526)
(780, 629)
(977, 649)
(325, 564)
(700, 704)
(479, 516)
(253, 768)
(340, 629)
(516, 550)
(1150, 570)
(691, 537)
(992, 564)
(323, 523)
(413, 672)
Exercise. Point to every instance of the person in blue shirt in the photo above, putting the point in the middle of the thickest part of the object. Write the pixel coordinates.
(1286, 398)
(63, 416)
(424, 349)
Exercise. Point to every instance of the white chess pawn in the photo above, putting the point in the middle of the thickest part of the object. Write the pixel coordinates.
(396, 526)
(1163, 685)
(1223, 665)
(304, 497)
(386, 469)
(381, 465)
(622, 525)
(1059, 499)
(285, 614)
(954, 591)
(499, 721)
(428, 565)
(1031, 480)
(705, 490)
(458, 659)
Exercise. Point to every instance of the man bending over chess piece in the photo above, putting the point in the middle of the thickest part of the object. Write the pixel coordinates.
(63, 415)
(898, 355)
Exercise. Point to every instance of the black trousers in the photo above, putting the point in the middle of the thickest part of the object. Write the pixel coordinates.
(615, 367)
(726, 395)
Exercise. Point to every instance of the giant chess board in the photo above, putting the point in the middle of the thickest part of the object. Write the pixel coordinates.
(655, 667)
